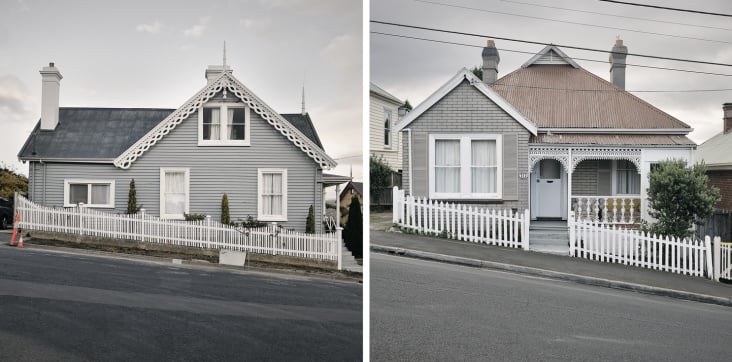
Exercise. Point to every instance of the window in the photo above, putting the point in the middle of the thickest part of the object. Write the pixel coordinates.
(223, 124)
(272, 195)
(465, 166)
(627, 178)
(387, 129)
(174, 189)
(92, 193)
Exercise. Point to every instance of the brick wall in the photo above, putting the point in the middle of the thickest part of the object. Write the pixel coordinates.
(723, 181)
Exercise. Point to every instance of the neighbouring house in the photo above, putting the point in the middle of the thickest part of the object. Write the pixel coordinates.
(384, 141)
(346, 196)
(224, 139)
(716, 153)
(550, 137)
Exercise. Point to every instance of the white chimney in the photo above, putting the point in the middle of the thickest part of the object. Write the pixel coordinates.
(214, 71)
(50, 89)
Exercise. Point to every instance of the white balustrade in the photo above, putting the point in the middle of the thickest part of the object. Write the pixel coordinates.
(619, 209)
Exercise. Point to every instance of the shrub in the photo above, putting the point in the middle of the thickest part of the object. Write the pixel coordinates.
(379, 176)
(132, 207)
(353, 232)
(310, 221)
(225, 216)
(194, 217)
(252, 223)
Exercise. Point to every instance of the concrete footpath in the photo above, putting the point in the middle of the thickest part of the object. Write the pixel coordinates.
(553, 266)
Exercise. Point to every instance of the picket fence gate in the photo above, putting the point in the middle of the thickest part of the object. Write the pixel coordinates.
(461, 222)
(271, 239)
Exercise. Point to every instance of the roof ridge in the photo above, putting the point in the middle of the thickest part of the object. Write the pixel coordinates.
(122, 108)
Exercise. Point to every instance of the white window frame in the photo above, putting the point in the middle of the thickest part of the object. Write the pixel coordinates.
(187, 172)
(260, 214)
(465, 166)
(89, 182)
(389, 128)
(615, 169)
(223, 125)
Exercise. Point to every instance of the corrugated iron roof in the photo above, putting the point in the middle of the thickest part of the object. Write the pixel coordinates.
(612, 139)
(561, 96)
(373, 88)
(716, 151)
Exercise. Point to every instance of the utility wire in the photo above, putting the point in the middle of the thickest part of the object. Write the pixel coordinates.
(616, 15)
(540, 43)
(666, 8)
(532, 53)
(569, 22)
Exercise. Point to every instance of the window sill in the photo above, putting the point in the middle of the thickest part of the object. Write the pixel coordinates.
(86, 206)
(458, 197)
(172, 217)
(223, 143)
(272, 218)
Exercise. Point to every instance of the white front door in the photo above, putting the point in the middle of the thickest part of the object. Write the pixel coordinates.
(548, 193)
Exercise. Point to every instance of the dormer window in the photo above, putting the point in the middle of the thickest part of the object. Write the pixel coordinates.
(223, 124)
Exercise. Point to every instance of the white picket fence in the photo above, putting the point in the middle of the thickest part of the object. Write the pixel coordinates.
(271, 239)
(722, 260)
(613, 244)
(461, 222)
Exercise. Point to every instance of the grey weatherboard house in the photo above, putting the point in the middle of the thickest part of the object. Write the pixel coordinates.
(222, 140)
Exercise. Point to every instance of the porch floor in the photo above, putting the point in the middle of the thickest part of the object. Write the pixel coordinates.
(549, 236)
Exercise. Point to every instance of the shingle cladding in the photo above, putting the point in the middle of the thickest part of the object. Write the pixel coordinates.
(466, 110)
(561, 96)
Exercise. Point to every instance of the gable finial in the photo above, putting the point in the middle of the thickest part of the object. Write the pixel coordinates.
(303, 99)
(224, 64)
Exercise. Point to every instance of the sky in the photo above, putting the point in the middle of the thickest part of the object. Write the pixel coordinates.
(413, 69)
(153, 54)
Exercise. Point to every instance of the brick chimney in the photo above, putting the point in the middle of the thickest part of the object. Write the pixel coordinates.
(617, 64)
(50, 88)
(490, 62)
(727, 111)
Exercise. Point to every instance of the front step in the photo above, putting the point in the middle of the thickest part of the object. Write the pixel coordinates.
(550, 237)
(349, 261)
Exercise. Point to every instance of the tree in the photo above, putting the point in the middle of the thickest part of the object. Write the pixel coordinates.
(310, 221)
(225, 216)
(11, 181)
(353, 233)
(132, 207)
(407, 105)
(679, 197)
(380, 176)
(478, 71)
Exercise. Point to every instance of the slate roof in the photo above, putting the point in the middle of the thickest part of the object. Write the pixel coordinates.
(102, 134)
(304, 124)
(562, 96)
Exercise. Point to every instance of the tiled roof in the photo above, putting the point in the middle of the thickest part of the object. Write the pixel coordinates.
(612, 139)
(561, 96)
(104, 133)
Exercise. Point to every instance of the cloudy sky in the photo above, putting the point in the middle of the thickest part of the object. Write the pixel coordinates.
(413, 69)
(154, 53)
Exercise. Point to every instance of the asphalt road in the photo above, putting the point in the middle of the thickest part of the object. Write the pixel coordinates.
(63, 306)
(428, 311)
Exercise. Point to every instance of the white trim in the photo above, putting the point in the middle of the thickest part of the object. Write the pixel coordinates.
(223, 125)
(89, 182)
(231, 84)
(660, 131)
(260, 215)
(388, 147)
(187, 173)
(465, 74)
(465, 166)
(547, 49)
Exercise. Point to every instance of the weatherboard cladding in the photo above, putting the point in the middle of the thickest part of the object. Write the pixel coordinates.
(467, 110)
(377, 117)
(104, 133)
(213, 171)
(592, 103)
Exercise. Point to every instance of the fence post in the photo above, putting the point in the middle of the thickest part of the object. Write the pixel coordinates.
(141, 227)
(81, 217)
(572, 243)
(395, 204)
(339, 248)
(716, 246)
(525, 236)
(208, 231)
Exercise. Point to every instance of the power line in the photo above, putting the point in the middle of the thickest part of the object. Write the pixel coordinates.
(616, 15)
(540, 43)
(569, 22)
(666, 8)
(532, 53)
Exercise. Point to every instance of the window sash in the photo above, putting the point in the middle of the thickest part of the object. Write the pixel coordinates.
(272, 195)
(174, 191)
(222, 124)
(91, 193)
(465, 166)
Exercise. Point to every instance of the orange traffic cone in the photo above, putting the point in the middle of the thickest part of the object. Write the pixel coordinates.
(15, 230)
(20, 242)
